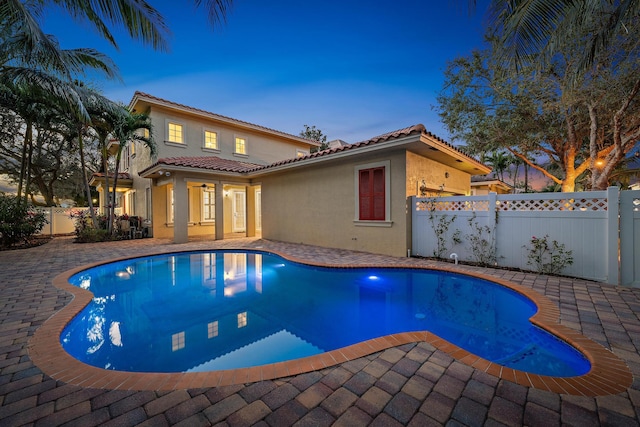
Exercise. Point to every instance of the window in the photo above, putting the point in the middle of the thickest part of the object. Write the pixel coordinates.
(126, 157)
(169, 205)
(372, 183)
(208, 204)
(210, 140)
(372, 194)
(175, 133)
(241, 145)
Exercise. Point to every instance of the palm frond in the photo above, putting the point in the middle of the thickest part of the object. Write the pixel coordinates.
(137, 17)
(217, 10)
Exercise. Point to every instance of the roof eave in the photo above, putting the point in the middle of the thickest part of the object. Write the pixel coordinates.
(153, 172)
(392, 143)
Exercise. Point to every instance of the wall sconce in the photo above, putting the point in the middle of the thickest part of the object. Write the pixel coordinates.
(226, 193)
(160, 172)
(446, 174)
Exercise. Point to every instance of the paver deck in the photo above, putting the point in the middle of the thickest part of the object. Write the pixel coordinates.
(407, 384)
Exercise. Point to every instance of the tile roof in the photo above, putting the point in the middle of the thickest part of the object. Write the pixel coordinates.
(219, 116)
(121, 175)
(208, 162)
(411, 130)
(224, 165)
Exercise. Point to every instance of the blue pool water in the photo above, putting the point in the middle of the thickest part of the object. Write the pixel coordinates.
(203, 311)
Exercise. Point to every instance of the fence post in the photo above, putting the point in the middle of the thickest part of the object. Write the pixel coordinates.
(613, 236)
(491, 211)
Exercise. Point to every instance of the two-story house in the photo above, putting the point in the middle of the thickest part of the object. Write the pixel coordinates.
(199, 155)
(218, 177)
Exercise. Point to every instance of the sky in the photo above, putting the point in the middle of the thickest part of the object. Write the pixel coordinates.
(354, 69)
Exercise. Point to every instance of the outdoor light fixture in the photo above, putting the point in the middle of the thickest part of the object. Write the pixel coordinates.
(161, 172)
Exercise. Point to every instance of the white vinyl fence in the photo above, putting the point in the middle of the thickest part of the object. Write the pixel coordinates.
(59, 221)
(601, 228)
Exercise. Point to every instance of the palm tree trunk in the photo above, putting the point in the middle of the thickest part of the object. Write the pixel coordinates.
(85, 180)
(115, 181)
(23, 162)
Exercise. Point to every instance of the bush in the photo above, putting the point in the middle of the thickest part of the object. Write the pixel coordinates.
(18, 221)
(84, 229)
(548, 257)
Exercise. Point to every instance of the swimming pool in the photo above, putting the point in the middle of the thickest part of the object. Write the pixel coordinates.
(203, 311)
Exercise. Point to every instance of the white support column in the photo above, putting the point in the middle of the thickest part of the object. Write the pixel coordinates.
(219, 211)
(180, 211)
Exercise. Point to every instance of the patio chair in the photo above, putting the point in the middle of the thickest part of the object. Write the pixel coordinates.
(136, 227)
(125, 228)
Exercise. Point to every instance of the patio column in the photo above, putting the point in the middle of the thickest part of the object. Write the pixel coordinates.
(219, 211)
(180, 211)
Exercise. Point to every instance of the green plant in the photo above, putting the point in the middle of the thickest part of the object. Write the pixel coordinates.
(84, 230)
(18, 222)
(548, 257)
(482, 242)
(440, 227)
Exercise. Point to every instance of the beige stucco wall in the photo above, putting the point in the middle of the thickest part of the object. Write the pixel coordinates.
(262, 148)
(435, 175)
(316, 205)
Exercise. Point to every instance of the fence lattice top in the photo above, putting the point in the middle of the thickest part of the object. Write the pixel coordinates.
(546, 204)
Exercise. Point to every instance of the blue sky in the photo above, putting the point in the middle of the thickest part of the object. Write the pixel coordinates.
(354, 69)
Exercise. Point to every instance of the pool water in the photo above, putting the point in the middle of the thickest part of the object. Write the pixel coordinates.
(204, 311)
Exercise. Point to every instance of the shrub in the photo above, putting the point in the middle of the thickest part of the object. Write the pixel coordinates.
(84, 229)
(548, 257)
(18, 221)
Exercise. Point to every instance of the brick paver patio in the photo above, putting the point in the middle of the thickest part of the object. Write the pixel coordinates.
(411, 384)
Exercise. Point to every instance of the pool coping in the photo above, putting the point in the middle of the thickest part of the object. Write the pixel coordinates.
(608, 374)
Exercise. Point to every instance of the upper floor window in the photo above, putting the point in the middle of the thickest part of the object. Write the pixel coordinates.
(210, 140)
(175, 133)
(241, 145)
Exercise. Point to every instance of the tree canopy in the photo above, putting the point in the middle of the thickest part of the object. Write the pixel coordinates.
(584, 122)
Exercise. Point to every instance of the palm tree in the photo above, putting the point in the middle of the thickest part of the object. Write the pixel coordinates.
(499, 161)
(127, 130)
(533, 27)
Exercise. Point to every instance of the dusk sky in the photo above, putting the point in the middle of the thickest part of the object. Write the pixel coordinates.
(354, 69)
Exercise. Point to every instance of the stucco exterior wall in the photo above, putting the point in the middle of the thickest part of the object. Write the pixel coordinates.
(435, 175)
(317, 205)
(261, 148)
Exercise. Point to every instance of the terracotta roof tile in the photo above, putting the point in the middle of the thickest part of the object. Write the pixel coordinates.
(419, 128)
(121, 175)
(209, 163)
(198, 110)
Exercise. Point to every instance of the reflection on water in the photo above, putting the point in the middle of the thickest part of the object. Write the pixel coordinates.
(221, 310)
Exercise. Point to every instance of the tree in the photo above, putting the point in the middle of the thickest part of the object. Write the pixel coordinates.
(586, 127)
(310, 132)
(127, 130)
(533, 31)
(500, 162)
